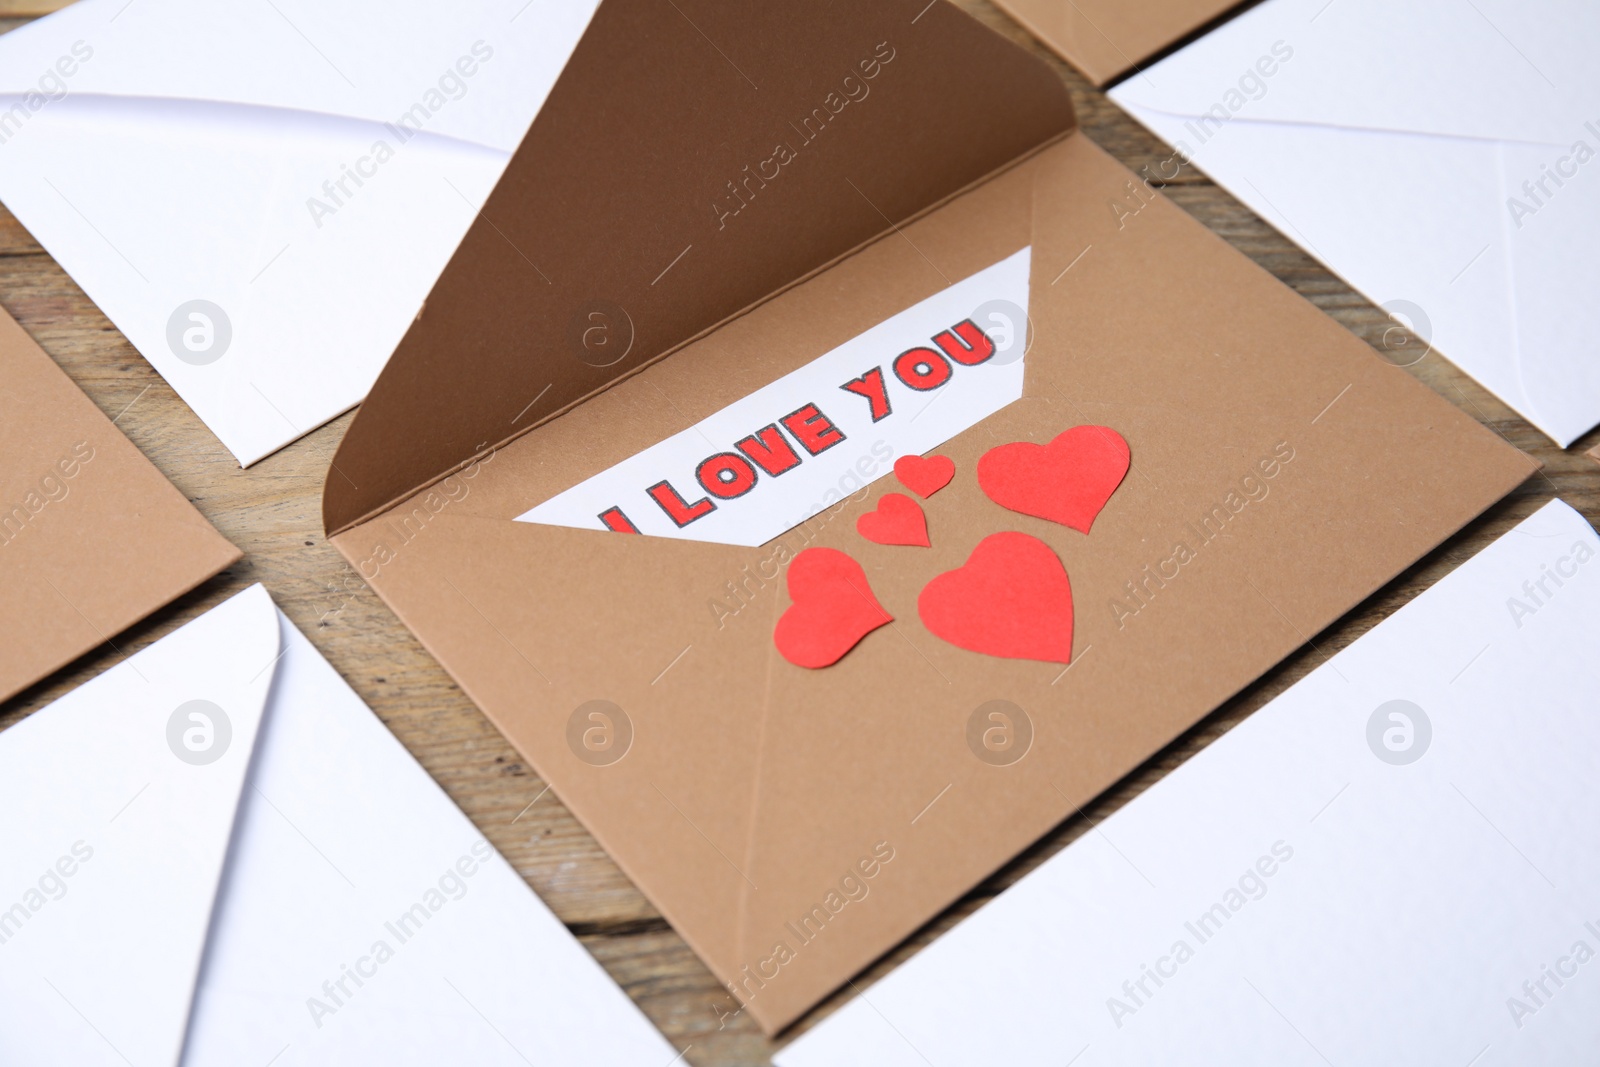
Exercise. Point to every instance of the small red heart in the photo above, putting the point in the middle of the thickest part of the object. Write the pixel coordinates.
(924, 477)
(833, 609)
(1011, 599)
(898, 521)
(1067, 481)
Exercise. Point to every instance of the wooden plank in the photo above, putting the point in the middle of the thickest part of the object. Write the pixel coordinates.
(14, 239)
(272, 511)
(30, 8)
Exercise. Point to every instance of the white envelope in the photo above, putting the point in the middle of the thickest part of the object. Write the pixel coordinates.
(1341, 879)
(214, 853)
(1403, 143)
(260, 196)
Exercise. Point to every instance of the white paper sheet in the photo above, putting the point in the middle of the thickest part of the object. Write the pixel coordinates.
(1340, 879)
(1459, 188)
(803, 443)
(260, 196)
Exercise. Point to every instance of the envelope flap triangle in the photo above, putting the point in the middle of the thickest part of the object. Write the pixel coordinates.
(693, 160)
(124, 795)
(286, 65)
(687, 786)
(95, 538)
(1263, 67)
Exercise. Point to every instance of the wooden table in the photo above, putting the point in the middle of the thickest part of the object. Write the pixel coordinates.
(272, 512)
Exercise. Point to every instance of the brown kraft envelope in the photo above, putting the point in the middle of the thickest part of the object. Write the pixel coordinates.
(794, 825)
(92, 537)
(1106, 39)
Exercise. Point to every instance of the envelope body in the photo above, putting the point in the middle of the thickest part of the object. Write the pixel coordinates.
(1457, 190)
(92, 537)
(796, 824)
(754, 791)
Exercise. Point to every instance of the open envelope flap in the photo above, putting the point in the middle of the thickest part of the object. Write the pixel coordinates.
(1107, 38)
(693, 159)
(121, 799)
(749, 788)
(1309, 62)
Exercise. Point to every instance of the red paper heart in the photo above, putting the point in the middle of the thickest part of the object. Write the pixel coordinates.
(898, 521)
(924, 477)
(1011, 599)
(1067, 481)
(833, 609)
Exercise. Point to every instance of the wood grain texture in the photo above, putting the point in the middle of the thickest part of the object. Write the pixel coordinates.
(23, 9)
(272, 512)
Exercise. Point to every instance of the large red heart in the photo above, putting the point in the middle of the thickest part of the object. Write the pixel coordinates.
(1011, 599)
(833, 609)
(924, 476)
(1067, 481)
(898, 521)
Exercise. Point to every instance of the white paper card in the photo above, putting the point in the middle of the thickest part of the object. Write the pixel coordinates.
(1466, 205)
(1393, 862)
(766, 463)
